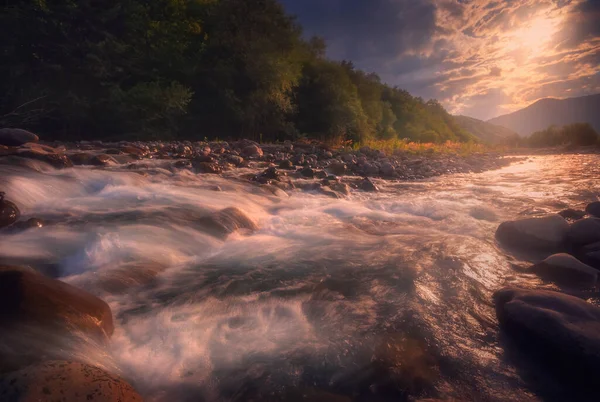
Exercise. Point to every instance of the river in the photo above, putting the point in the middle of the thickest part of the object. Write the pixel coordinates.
(376, 297)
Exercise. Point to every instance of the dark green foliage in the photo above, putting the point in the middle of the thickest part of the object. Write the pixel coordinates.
(166, 69)
(581, 134)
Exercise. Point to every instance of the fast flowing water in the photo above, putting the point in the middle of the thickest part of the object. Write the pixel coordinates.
(378, 296)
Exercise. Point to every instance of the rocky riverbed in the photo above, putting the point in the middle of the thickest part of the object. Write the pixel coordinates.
(243, 271)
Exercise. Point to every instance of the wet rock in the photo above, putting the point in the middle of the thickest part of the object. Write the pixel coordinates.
(369, 169)
(593, 209)
(572, 214)
(207, 167)
(562, 329)
(286, 165)
(342, 188)
(547, 233)
(308, 172)
(9, 212)
(42, 317)
(204, 158)
(14, 137)
(268, 175)
(45, 154)
(182, 164)
(388, 170)
(367, 185)
(59, 380)
(584, 231)
(31, 223)
(229, 220)
(298, 160)
(132, 150)
(235, 160)
(113, 151)
(337, 168)
(252, 150)
(102, 160)
(566, 269)
(81, 158)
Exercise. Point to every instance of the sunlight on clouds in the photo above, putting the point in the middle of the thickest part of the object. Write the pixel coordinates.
(514, 53)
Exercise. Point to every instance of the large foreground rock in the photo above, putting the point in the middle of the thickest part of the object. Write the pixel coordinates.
(223, 223)
(566, 269)
(65, 381)
(565, 329)
(547, 233)
(14, 137)
(41, 317)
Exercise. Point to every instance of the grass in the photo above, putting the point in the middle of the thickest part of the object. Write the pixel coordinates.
(449, 147)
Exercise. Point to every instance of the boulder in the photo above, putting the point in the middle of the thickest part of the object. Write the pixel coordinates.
(222, 223)
(43, 318)
(584, 231)
(566, 269)
(340, 187)
(59, 380)
(593, 209)
(33, 299)
(235, 160)
(547, 233)
(9, 212)
(563, 330)
(15, 137)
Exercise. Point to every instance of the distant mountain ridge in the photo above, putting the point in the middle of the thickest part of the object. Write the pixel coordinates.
(549, 111)
(486, 132)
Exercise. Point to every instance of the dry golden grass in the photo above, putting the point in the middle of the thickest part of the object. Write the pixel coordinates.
(449, 147)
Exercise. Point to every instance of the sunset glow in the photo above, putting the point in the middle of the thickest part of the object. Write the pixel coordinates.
(480, 58)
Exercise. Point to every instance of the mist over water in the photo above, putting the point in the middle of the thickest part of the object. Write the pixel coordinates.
(378, 296)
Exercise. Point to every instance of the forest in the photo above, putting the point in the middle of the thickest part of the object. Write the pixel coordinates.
(193, 69)
(577, 134)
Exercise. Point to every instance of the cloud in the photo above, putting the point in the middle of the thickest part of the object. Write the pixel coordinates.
(478, 57)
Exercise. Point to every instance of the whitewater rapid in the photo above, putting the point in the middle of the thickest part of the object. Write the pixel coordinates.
(383, 295)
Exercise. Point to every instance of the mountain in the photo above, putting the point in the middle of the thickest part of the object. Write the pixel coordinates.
(549, 111)
(486, 132)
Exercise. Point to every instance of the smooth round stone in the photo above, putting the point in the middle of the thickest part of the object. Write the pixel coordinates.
(9, 212)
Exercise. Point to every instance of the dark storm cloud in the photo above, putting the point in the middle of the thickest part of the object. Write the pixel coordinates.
(482, 57)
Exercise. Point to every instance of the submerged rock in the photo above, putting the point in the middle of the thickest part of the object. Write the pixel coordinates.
(9, 212)
(566, 269)
(547, 233)
(222, 223)
(563, 329)
(58, 380)
(14, 137)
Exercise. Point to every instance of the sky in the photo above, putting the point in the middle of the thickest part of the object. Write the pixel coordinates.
(480, 58)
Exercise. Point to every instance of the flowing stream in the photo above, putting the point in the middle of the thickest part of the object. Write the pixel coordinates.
(374, 297)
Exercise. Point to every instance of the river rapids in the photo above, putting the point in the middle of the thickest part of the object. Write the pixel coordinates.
(374, 297)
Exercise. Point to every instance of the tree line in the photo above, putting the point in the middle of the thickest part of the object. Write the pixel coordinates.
(190, 69)
(577, 134)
